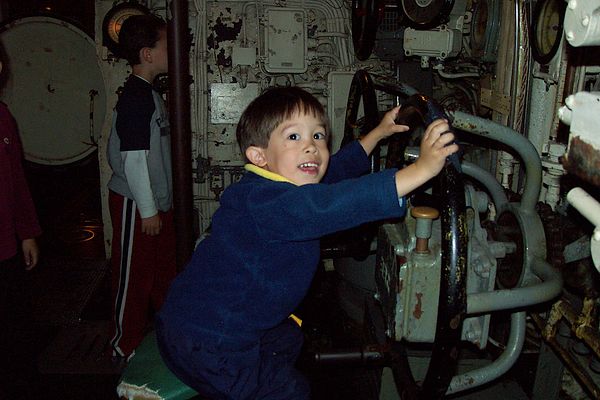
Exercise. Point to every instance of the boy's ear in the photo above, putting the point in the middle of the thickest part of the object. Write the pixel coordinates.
(256, 155)
(145, 54)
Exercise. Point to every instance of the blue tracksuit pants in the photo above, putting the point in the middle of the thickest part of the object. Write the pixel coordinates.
(218, 369)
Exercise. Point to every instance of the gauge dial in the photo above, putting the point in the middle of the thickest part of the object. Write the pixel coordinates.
(547, 29)
(114, 18)
(425, 14)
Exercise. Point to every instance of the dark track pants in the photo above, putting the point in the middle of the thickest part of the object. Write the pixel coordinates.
(220, 370)
(143, 267)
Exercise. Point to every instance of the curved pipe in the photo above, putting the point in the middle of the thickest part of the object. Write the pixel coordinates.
(503, 134)
(489, 181)
(500, 365)
(548, 289)
(479, 174)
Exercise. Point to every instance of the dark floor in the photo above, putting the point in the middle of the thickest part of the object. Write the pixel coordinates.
(63, 296)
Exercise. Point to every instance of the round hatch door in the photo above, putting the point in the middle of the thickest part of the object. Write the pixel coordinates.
(54, 88)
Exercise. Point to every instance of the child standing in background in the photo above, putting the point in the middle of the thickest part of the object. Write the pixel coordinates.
(140, 196)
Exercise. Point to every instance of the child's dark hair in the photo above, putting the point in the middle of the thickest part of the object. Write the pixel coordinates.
(271, 108)
(137, 32)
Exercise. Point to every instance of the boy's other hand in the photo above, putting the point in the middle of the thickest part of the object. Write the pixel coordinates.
(435, 146)
(151, 225)
(387, 127)
(31, 253)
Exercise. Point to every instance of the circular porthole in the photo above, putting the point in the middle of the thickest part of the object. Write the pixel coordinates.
(54, 89)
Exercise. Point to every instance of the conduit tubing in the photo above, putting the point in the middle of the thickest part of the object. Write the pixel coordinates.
(500, 365)
(503, 134)
(520, 297)
(488, 180)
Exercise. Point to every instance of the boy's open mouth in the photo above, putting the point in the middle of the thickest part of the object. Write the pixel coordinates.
(309, 167)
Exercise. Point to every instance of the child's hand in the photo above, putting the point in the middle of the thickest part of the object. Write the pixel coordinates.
(386, 128)
(152, 225)
(31, 253)
(433, 147)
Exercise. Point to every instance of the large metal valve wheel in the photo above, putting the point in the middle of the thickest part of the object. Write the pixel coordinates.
(452, 296)
(365, 21)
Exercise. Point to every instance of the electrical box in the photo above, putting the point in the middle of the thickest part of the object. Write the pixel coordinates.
(285, 40)
(439, 43)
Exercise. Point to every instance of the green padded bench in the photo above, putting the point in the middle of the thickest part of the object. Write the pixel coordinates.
(146, 377)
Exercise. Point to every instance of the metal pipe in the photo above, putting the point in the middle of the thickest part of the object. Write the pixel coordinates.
(488, 180)
(585, 204)
(515, 68)
(179, 80)
(520, 297)
(499, 366)
(476, 172)
(368, 355)
(503, 134)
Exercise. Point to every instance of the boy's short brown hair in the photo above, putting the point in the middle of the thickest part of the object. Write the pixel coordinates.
(271, 108)
(137, 32)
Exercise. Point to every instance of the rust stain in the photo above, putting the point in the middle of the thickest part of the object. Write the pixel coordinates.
(418, 311)
(455, 322)
(583, 160)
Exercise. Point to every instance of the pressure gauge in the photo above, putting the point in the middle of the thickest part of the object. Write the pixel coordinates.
(114, 18)
(425, 14)
(485, 30)
(547, 29)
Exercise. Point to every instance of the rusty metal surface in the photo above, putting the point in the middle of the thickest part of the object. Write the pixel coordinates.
(583, 160)
(548, 329)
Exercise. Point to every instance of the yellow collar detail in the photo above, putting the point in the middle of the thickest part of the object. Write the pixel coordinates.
(267, 174)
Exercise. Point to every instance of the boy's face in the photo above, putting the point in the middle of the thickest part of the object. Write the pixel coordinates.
(159, 54)
(297, 150)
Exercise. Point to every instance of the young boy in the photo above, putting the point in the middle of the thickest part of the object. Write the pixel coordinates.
(224, 328)
(140, 196)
